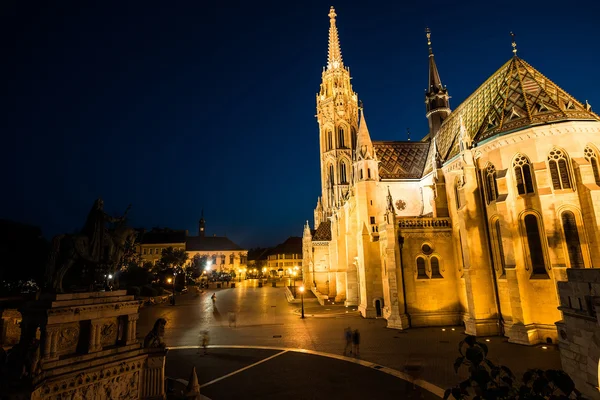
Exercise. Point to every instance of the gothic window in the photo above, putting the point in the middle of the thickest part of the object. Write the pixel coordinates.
(536, 252)
(361, 174)
(372, 220)
(369, 173)
(456, 192)
(331, 176)
(435, 267)
(522, 168)
(572, 239)
(231, 259)
(500, 248)
(491, 186)
(341, 142)
(592, 157)
(343, 179)
(421, 273)
(353, 138)
(329, 140)
(559, 170)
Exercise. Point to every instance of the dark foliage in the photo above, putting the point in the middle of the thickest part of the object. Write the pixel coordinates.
(495, 382)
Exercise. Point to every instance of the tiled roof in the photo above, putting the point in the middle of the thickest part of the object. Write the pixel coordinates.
(515, 97)
(323, 232)
(293, 245)
(401, 160)
(210, 243)
(163, 236)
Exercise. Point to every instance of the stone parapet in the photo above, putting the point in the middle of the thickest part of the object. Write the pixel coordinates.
(419, 223)
(579, 330)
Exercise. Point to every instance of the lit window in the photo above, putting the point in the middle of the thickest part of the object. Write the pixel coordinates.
(536, 252)
(522, 169)
(421, 274)
(559, 171)
(341, 135)
(435, 267)
(592, 157)
(343, 173)
(491, 186)
(500, 248)
(572, 238)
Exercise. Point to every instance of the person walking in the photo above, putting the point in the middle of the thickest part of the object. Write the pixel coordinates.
(348, 337)
(356, 342)
(232, 319)
(204, 339)
(214, 297)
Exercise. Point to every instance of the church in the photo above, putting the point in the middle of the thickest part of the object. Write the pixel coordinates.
(475, 224)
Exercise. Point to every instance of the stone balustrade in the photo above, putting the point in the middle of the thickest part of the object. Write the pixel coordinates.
(421, 223)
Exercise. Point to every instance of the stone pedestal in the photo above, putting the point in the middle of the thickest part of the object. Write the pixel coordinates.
(88, 348)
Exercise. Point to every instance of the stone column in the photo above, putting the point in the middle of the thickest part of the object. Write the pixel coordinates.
(131, 331)
(50, 343)
(95, 336)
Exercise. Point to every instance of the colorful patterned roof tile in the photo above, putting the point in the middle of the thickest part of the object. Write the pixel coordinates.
(401, 160)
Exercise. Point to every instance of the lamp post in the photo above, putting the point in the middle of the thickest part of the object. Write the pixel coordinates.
(294, 275)
(302, 297)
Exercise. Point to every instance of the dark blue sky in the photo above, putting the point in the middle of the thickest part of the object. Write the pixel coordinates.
(179, 106)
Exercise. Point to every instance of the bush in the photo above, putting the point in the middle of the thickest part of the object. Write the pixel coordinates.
(159, 290)
(134, 290)
(490, 381)
(149, 291)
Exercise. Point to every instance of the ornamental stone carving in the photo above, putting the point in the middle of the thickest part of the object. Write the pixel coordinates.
(108, 333)
(67, 339)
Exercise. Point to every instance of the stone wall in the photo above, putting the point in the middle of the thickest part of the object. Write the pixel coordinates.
(10, 327)
(579, 330)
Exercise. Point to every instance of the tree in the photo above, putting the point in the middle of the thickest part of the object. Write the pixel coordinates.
(490, 381)
(172, 259)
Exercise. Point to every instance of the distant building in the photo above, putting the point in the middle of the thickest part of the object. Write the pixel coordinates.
(217, 253)
(257, 259)
(285, 257)
(152, 243)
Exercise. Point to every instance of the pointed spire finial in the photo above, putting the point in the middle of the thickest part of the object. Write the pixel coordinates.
(428, 34)
(390, 202)
(360, 105)
(514, 44)
(335, 53)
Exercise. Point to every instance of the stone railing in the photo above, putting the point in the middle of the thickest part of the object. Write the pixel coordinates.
(420, 223)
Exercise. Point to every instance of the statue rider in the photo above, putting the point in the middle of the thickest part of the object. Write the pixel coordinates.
(96, 230)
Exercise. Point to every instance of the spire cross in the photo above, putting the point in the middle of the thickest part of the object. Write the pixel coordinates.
(332, 14)
(360, 105)
(514, 44)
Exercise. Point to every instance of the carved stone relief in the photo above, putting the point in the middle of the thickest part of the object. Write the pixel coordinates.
(108, 333)
(67, 339)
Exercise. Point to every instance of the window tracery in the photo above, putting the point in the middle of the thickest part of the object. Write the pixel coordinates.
(559, 170)
(522, 169)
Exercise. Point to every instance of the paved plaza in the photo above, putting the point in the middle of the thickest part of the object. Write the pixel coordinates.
(271, 352)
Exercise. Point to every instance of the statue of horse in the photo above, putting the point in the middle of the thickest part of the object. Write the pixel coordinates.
(68, 250)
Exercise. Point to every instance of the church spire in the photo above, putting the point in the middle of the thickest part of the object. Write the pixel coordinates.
(334, 59)
(436, 95)
(202, 225)
(364, 146)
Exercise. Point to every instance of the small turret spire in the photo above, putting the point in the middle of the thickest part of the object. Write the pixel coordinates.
(428, 34)
(434, 76)
(514, 44)
(335, 52)
(437, 101)
(364, 146)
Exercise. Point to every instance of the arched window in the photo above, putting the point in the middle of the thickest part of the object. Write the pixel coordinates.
(592, 157)
(536, 253)
(231, 259)
(559, 170)
(522, 168)
(341, 141)
(421, 274)
(343, 179)
(572, 238)
(369, 173)
(329, 140)
(353, 138)
(457, 183)
(361, 174)
(500, 248)
(491, 187)
(331, 176)
(435, 267)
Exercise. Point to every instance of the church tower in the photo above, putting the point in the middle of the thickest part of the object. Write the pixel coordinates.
(201, 225)
(437, 101)
(337, 115)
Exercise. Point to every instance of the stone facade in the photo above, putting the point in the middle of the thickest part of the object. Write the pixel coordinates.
(579, 329)
(89, 349)
(475, 224)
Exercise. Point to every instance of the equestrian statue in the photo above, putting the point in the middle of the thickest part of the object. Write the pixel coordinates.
(98, 248)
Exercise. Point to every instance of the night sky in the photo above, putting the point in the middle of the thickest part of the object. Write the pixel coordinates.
(179, 106)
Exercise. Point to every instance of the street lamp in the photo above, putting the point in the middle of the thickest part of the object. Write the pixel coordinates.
(174, 279)
(294, 274)
(301, 288)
